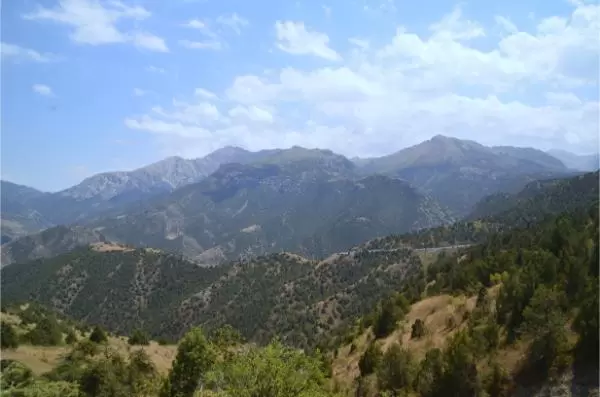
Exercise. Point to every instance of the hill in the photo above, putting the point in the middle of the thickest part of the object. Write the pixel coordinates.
(458, 173)
(516, 315)
(540, 199)
(279, 294)
(589, 162)
(303, 205)
(48, 243)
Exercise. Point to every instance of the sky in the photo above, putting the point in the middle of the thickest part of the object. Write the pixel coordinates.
(90, 86)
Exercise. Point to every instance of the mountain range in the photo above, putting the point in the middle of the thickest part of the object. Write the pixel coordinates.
(295, 297)
(235, 203)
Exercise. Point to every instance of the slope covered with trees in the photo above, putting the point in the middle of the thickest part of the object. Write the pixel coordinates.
(275, 295)
(535, 296)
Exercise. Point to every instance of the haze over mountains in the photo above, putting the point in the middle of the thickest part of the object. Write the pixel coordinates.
(235, 203)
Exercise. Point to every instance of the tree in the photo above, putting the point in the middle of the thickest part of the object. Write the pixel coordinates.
(8, 336)
(139, 337)
(195, 357)
(430, 373)
(226, 336)
(46, 333)
(418, 329)
(98, 335)
(71, 337)
(397, 370)
(387, 319)
(370, 360)
(272, 371)
(460, 375)
(498, 384)
(545, 322)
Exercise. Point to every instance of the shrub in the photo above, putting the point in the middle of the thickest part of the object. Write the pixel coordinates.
(8, 336)
(418, 329)
(46, 333)
(139, 337)
(370, 360)
(98, 335)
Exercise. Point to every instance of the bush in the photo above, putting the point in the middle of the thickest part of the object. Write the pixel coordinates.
(418, 329)
(397, 370)
(8, 336)
(46, 333)
(71, 337)
(370, 360)
(98, 335)
(162, 341)
(139, 337)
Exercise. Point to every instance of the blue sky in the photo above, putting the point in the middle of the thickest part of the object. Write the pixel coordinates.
(91, 86)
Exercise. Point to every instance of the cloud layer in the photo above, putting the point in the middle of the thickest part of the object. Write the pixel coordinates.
(524, 89)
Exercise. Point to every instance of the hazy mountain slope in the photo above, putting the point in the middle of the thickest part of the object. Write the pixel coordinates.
(27, 210)
(48, 243)
(165, 175)
(304, 206)
(459, 173)
(278, 294)
(589, 162)
(540, 199)
(19, 217)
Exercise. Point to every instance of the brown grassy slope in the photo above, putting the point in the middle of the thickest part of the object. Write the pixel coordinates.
(42, 359)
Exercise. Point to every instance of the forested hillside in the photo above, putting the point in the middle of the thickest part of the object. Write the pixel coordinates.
(275, 295)
(533, 319)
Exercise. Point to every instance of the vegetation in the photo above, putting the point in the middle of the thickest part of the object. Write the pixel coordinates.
(548, 276)
(139, 337)
(98, 335)
(8, 336)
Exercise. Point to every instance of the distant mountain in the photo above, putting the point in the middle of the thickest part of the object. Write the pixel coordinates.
(18, 213)
(26, 210)
(540, 199)
(297, 200)
(458, 173)
(163, 176)
(590, 162)
(48, 243)
(279, 294)
(453, 172)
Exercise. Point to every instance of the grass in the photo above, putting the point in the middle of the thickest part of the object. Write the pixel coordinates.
(42, 359)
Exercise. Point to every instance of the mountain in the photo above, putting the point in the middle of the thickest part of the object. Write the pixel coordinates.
(589, 162)
(458, 173)
(19, 216)
(278, 294)
(26, 210)
(48, 243)
(163, 176)
(301, 200)
(539, 200)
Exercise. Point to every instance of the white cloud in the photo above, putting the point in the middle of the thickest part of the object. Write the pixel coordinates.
(149, 42)
(206, 94)
(42, 89)
(96, 23)
(360, 43)
(21, 53)
(295, 38)
(454, 27)
(233, 22)
(139, 92)
(251, 113)
(506, 24)
(202, 26)
(201, 45)
(527, 88)
(327, 11)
